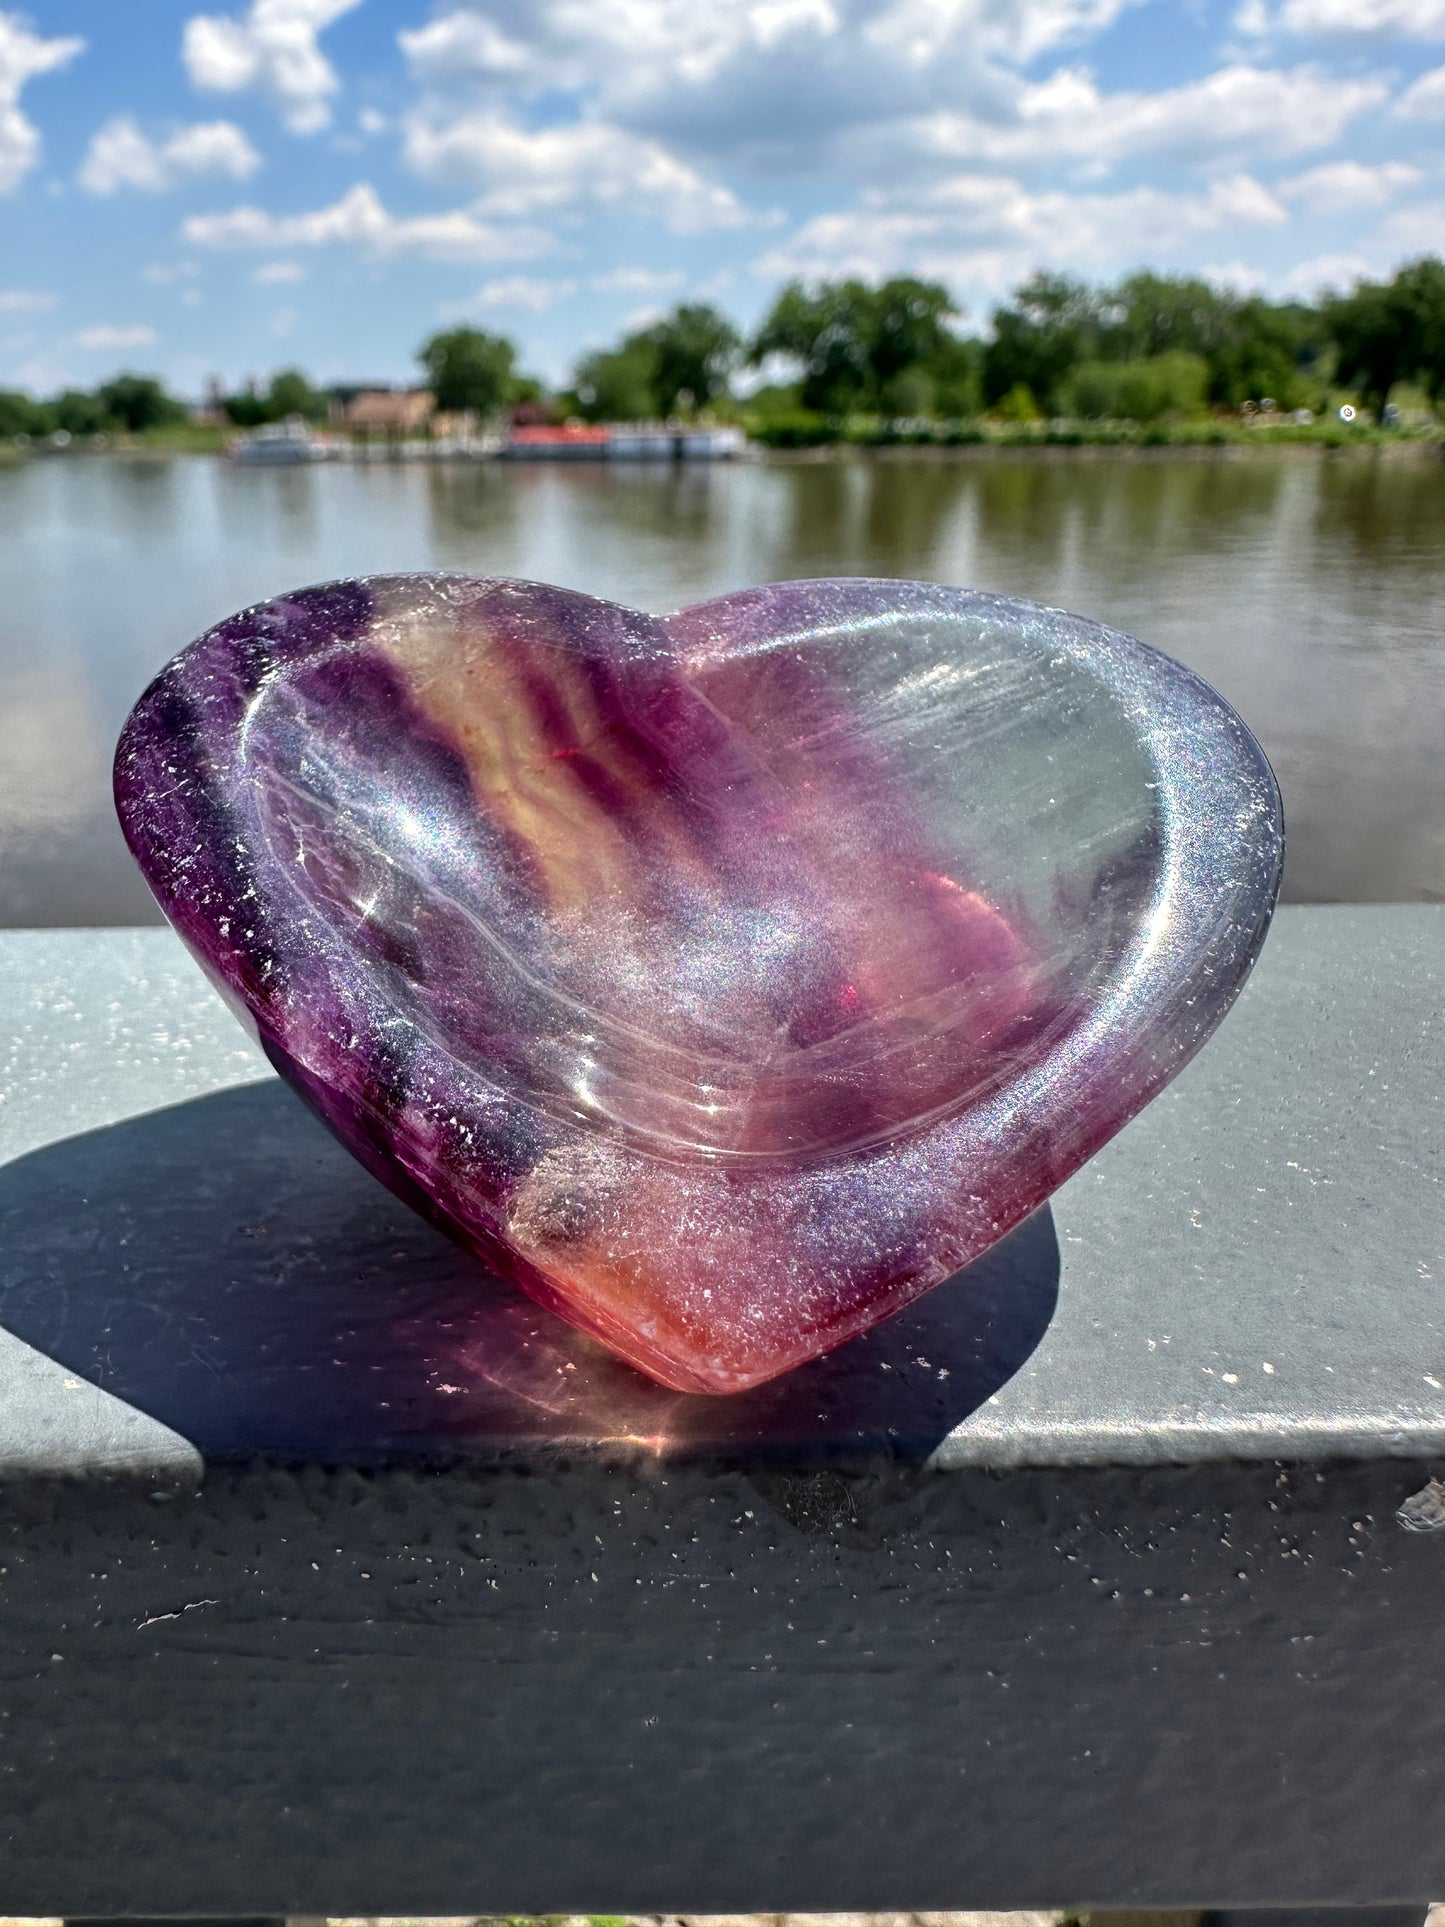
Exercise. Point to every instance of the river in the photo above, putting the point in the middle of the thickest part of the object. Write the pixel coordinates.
(1309, 590)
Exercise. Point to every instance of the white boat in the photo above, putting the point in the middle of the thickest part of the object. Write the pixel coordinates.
(642, 444)
(282, 445)
(712, 444)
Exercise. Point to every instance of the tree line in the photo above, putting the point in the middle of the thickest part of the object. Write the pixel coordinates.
(125, 405)
(1147, 348)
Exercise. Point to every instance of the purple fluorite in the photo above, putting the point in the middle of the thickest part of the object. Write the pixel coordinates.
(727, 980)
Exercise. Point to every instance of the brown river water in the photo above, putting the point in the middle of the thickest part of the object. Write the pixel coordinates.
(1309, 590)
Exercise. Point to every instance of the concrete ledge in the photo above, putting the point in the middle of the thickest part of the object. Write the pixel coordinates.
(595, 1689)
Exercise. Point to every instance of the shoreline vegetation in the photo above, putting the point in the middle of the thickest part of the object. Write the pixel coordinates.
(1152, 363)
(930, 441)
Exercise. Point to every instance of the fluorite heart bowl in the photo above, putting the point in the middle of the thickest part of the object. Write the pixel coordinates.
(727, 979)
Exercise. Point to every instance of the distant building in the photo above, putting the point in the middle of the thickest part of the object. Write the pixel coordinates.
(454, 424)
(389, 411)
(401, 414)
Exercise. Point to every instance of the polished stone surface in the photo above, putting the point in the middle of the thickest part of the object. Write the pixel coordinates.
(726, 980)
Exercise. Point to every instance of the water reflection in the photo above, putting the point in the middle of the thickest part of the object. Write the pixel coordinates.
(1307, 590)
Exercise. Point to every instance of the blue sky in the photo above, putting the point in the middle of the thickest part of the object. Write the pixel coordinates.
(323, 182)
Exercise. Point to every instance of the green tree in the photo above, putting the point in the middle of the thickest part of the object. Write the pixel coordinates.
(79, 413)
(1051, 324)
(247, 408)
(956, 371)
(1155, 314)
(618, 384)
(1393, 331)
(21, 414)
(911, 393)
(826, 329)
(1269, 349)
(694, 352)
(469, 368)
(1054, 326)
(1144, 390)
(291, 393)
(909, 329)
(1019, 404)
(1253, 347)
(856, 344)
(138, 402)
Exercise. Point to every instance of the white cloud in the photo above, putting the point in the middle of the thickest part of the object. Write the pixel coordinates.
(370, 121)
(1411, 19)
(1234, 111)
(984, 232)
(1323, 272)
(627, 44)
(1424, 99)
(26, 301)
(463, 46)
(273, 46)
(523, 291)
(165, 274)
(270, 273)
(23, 55)
(638, 48)
(925, 30)
(1417, 230)
(1237, 276)
(1310, 280)
(671, 92)
(109, 338)
(638, 280)
(1339, 185)
(359, 220)
(777, 80)
(120, 155)
(522, 170)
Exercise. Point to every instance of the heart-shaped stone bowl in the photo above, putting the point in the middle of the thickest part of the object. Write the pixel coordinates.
(726, 979)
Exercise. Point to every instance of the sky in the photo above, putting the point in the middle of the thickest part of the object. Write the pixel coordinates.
(323, 183)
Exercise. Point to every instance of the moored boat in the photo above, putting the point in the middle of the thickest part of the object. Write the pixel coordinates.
(282, 445)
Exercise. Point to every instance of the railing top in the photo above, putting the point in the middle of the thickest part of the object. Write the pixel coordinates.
(191, 1271)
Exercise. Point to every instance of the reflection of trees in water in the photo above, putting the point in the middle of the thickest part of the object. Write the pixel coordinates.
(818, 534)
(275, 507)
(1380, 511)
(907, 511)
(1026, 525)
(668, 501)
(1306, 588)
(646, 534)
(143, 496)
(1131, 510)
(467, 499)
(865, 517)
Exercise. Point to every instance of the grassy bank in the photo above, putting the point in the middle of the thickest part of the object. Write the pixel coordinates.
(178, 438)
(174, 438)
(802, 431)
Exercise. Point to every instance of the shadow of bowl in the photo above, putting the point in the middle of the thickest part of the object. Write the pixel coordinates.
(226, 1267)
